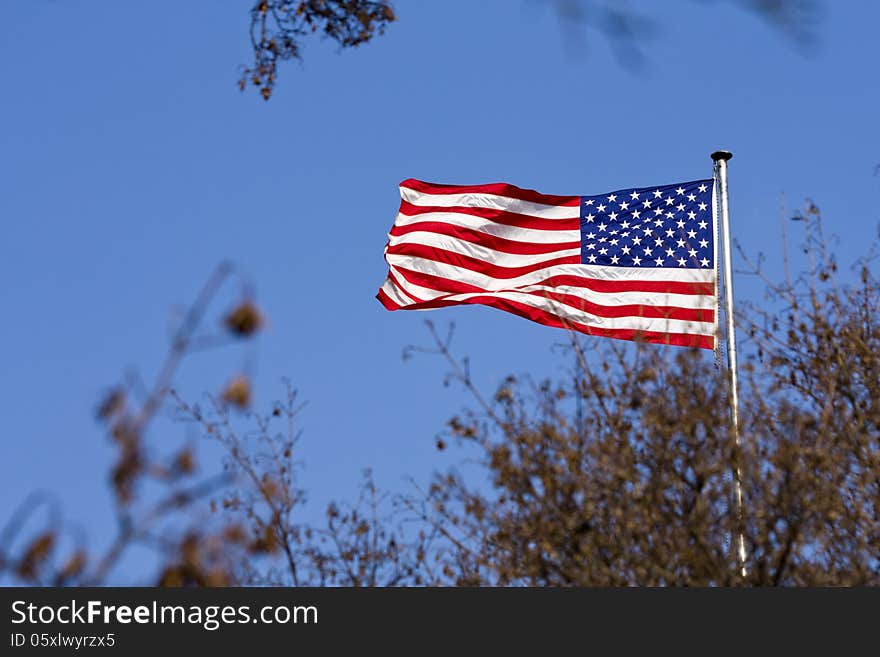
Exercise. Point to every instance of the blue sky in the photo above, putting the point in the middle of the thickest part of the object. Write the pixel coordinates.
(131, 166)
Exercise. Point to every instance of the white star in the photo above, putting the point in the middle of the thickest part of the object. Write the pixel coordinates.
(624, 250)
(658, 241)
(625, 224)
(680, 244)
(669, 200)
(602, 227)
(658, 211)
(692, 215)
(591, 236)
(703, 224)
(669, 252)
(636, 214)
(692, 234)
(680, 207)
(590, 218)
(679, 191)
(600, 208)
(692, 197)
(658, 193)
(702, 206)
(591, 258)
(590, 247)
(658, 222)
(624, 206)
(637, 261)
(634, 196)
(680, 223)
(647, 231)
(647, 250)
(692, 253)
(612, 198)
(603, 239)
(613, 242)
(614, 232)
(613, 216)
(647, 204)
(625, 233)
(702, 188)
(681, 262)
(588, 202)
(637, 240)
(614, 260)
(704, 262)
(703, 244)
(669, 232)
(603, 251)
(659, 262)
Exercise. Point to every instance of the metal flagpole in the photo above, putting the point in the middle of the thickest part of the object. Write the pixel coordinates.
(721, 158)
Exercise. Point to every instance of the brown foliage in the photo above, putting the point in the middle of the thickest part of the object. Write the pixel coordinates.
(278, 26)
(630, 483)
(630, 489)
(244, 320)
(359, 544)
(155, 494)
(237, 392)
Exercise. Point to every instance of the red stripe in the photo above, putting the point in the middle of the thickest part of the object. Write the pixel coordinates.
(475, 264)
(484, 239)
(438, 283)
(624, 310)
(499, 189)
(602, 285)
(497, 216)
(388, 302)
(549, 319)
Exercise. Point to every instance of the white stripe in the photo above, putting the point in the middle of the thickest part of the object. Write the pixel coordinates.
(496, 258)
(589, 271)
(528, 235)
(492, 201)
(636, 323)
(609, 299)
(616, 299)
(683, 275)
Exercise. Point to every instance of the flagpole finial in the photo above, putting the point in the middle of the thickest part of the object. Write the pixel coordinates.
(722, 155)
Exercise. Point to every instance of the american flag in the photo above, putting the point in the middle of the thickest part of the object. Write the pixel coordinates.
(635, 264)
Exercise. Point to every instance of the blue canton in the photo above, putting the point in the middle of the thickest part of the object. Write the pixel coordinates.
(649, 227)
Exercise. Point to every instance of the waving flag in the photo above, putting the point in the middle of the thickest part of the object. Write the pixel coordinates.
(636, 264)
